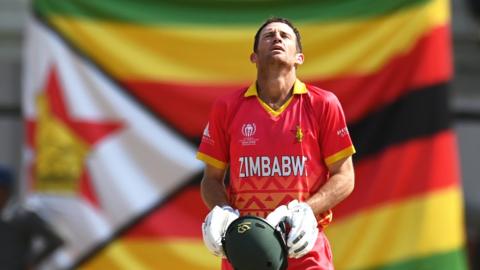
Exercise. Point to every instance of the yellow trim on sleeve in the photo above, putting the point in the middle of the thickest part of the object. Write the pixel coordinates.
(211, 161)
(341, 154)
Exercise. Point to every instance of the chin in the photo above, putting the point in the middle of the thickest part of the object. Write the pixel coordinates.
(279, 61)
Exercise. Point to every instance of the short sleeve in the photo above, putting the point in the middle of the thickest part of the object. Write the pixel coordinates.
(334, 136)
(213, 148)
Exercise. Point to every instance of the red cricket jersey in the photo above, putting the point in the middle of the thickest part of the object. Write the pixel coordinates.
(275, 156)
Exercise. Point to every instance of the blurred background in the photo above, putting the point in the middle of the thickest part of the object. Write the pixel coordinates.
(464, 102)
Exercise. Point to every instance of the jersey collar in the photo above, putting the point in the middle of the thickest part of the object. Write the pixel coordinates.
(298, 88)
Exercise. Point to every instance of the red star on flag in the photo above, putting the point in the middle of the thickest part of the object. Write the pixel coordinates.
(62, 143)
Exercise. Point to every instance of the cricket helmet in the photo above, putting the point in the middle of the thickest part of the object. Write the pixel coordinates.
(251, 243)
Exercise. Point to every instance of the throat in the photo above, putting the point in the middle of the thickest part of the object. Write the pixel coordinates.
(275, 92)
(276, 104)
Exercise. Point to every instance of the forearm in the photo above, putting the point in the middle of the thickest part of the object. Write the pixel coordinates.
(213, 193)
(335, 190)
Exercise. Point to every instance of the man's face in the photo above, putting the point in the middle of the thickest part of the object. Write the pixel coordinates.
(277, 43)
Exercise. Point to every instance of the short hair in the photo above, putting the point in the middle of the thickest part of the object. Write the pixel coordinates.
(281, 20)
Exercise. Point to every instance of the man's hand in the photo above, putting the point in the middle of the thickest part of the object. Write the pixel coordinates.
(214, 227)
(303, 227)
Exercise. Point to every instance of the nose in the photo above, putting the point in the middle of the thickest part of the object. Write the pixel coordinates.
(277, 37)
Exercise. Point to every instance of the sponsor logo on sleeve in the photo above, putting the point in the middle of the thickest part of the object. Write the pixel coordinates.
(206, 135)
(206, 132)
(342, 132)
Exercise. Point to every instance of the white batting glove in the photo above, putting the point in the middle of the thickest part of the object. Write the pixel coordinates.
(303, 227)
(278, 215)
(304, 231)
(214, 227)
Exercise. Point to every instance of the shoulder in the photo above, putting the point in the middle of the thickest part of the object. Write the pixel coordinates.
(230, 100)
(321, 97)
(319, 94)
(233, 96)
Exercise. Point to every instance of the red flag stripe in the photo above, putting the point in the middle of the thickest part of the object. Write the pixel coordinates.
(403, 171)
(428, 62)
(180, 217)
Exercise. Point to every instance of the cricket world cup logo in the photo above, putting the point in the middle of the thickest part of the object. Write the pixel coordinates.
(248, 130)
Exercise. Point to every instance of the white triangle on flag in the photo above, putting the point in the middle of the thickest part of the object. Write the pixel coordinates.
(131, 170)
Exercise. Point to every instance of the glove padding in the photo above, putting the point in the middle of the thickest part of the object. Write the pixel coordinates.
(303, 227)
(214, 227)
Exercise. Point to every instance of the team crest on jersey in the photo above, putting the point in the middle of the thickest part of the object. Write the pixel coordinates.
(248, 132)
(299, 134)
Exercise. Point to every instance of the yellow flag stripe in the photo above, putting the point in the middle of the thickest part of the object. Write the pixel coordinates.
(214, 55)
(121, 255)
(417, 227)
(155, 254)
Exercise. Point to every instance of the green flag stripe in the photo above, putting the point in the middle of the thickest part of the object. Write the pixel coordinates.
(454, 260)
(220, 11)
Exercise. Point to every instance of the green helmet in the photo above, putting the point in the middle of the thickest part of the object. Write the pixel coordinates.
(250, 243)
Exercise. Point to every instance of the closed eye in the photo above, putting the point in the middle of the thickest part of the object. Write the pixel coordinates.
(285, 35)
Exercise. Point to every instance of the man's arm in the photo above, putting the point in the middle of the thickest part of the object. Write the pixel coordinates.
(339, 185)
(221, 215)
(212, 187)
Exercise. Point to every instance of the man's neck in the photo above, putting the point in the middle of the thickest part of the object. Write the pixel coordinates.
(275, 89)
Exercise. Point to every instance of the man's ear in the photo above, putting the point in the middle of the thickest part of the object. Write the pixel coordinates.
(253, 57)
(299, 58)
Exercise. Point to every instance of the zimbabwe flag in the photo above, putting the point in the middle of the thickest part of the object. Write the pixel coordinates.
(117, 93)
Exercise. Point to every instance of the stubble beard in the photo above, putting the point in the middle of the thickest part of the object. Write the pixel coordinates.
(277, 60)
